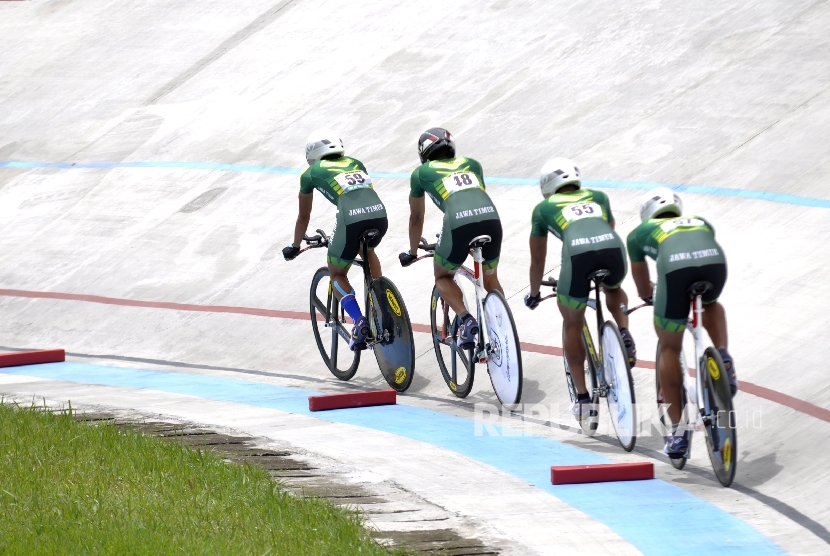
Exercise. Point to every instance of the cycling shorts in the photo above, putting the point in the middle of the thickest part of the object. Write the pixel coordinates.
(345, 242)
(454, 243)
(671, 298)
(574, 287)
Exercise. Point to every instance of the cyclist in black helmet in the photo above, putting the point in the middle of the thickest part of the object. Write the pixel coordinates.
(456, 186)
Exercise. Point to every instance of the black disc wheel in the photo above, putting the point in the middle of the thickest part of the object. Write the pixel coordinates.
(457, 365)
(590, 426)
(392, 334)
(719, 417)
(662, 409)
(328, 322)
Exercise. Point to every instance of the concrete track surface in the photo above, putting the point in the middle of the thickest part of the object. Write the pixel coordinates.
(149, 154)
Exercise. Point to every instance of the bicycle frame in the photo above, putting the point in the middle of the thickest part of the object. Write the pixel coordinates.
(322, 240)
(694, 325)
(476, 277)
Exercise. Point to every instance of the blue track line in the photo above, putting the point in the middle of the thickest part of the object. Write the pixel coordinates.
(600, 184)
(654, 516)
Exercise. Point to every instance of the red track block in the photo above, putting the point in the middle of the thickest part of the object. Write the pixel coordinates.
(352, 399)
(601, 473)
(32, 357)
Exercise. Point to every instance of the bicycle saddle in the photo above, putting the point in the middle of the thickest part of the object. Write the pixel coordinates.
(699, 288)
(599, 275)
(479, 241)
(368, 234)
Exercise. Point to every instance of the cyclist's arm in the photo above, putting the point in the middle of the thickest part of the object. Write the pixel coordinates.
(303, 218)
(642, 279)
(538, 253)
(417, 207)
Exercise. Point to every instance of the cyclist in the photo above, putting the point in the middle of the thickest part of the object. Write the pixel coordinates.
(686, 252)
(456, 186)
(582, 219)
(345, 182)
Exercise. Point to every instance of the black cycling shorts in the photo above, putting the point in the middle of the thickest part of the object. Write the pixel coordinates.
(454, 245)
(672, 303)
(573, 285)
(345, 243)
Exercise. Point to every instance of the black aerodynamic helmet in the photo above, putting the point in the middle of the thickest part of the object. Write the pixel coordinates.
(435, 143)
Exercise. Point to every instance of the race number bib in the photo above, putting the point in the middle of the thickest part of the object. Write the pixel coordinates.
(353, 180)
(579, 211)
(671, 225)
(460, 180)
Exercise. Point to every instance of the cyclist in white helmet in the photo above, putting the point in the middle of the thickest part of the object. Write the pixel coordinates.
(345, 183)
(582, 219)
(686, 252)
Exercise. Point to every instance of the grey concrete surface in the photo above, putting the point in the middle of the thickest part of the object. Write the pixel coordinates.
(732, 95)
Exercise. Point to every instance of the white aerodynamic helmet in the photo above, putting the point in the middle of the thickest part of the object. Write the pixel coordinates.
(322, 142)
(660, 200)
(558, 173)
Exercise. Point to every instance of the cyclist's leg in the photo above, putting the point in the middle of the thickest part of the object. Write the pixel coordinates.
(714, 321)
(450, 253)
(573, 323)
(572, 295)
(714, 315)
(491, 252)
(671, 310)
(449, 290)
(614, 259)
(671, 375)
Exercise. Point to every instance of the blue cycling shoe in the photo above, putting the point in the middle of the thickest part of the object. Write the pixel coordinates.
(730, 369)
(677, 445)
(467, 332)
(359, 334)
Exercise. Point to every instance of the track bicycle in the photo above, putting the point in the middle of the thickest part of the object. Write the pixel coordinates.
(615, 382)
(390, 335)
(712, 408)
(497, 343)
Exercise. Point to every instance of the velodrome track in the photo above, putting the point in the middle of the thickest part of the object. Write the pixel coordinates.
(149, 155)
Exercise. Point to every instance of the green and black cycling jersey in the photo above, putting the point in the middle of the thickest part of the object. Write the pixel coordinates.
(582, 219)
(345, 182)
(686, 251)
(456, 186)
(675, 243)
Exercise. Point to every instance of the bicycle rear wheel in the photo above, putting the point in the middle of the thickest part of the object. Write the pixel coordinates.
(394, 350)
(677, 463)
(720, 427)
(590, 383)
(332, 337)
(620, 396)
(460, 373)
(504, 363)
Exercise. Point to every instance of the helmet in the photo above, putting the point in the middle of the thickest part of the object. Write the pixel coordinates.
(432, 141)
(322, 142)
(558, 173)
(659, 201)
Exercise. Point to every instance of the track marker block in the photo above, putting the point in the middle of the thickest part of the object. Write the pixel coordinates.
(16, 359)
(601, 473)
(352, 399)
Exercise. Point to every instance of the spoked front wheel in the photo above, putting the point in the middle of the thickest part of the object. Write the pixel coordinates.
(392, 331)
(620, 395)
(720, 427)
(590, 383)
(457, 365)
(504, 362)
(327, 321)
